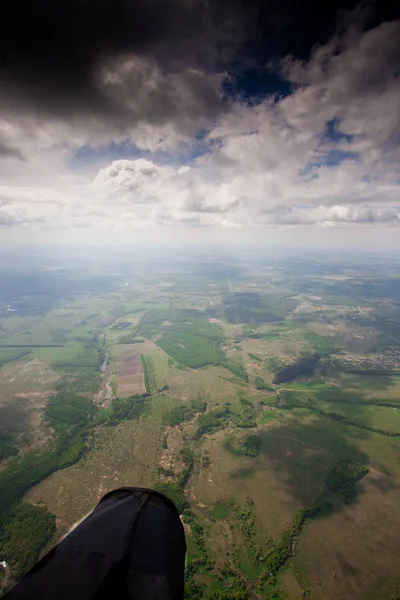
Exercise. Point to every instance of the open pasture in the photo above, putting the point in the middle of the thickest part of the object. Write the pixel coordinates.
(25, 388)
(354, 552)
(127, 455)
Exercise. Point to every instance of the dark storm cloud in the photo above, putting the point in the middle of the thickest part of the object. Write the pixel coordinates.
(120, 63)
(10, 152)
(50, 51)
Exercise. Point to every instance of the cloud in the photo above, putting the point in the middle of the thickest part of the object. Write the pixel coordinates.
(88, 72)
(280, 153)
(133, 181)
(325, 155)
(332, 215)
(149, 71)
(147, 106)
(316, 156)
(353, 77)
(160, 109)
(10, 152)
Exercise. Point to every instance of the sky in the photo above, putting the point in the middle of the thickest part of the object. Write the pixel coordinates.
(133, 121)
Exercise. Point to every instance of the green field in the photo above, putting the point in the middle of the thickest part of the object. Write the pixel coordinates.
(191, 350)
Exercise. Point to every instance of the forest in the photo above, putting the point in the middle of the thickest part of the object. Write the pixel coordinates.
(27, 531)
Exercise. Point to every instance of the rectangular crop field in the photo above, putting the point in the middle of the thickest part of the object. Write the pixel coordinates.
(129, 369)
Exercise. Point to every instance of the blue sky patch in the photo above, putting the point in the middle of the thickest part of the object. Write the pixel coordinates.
(87, 157)
(332, 132)
(257, 83)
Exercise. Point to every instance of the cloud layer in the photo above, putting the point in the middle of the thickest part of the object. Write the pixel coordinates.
(325, 155)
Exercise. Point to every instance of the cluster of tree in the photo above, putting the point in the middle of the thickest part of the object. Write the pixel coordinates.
(31, 345)
(7, 447)
(178, 415)
(371, 372)
(165, 472)
(26, 532)
(13, 356)
(202, 564)
(79, 381)
(146, 373)
(249, 446)
(244, 401)
(261, 385)
(343, 476)
(240, 594)
(283, 550)
(211, 421)
(244, 424)
(247, 417)
(237, 584)
(245, 517)
(236, 368)
(121, 325)
(374, 402)
(343, 419)
(199, 405)
(207, 423)
(188, 460)
(274, 363)
(279, 553)
(196, 530)
(66, 409)
(193, 590)
(303, 367)
(174, 491)
(205, 462)
(89, 339)
(130, 338)
(22, 474)
(128, 408)
(338, 417)
(322, 506)
(76, 364)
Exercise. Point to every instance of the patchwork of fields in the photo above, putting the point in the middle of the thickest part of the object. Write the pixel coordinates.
(267, 407)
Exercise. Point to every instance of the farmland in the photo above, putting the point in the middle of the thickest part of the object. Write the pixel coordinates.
(262, 396)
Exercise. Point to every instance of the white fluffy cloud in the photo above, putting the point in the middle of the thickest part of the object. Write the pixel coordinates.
(274, 163)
